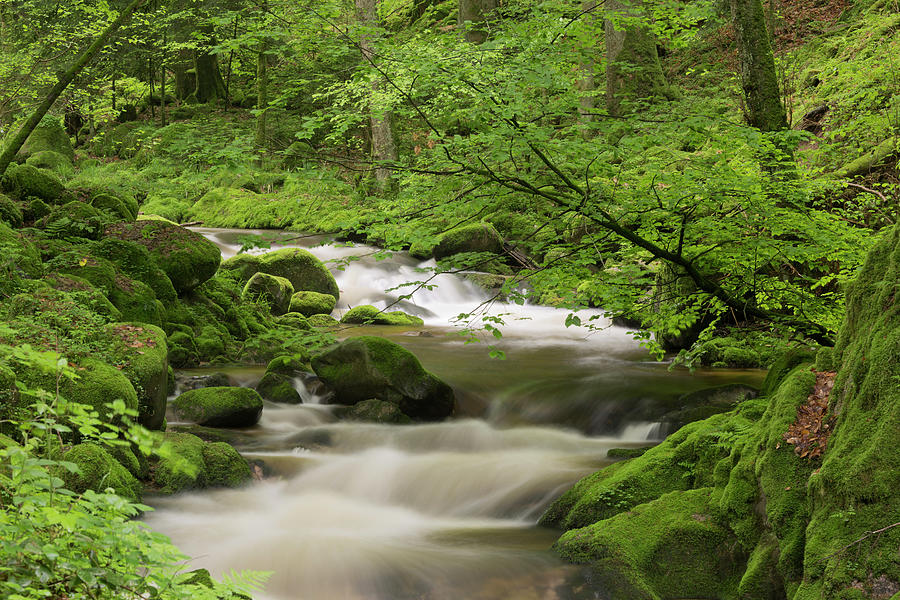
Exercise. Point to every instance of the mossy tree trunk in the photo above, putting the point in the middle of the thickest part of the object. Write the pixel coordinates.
(759, 77)
(64, 80)
(262, 89)
(381, 121)
(210, 85)
(633, 70)
(476, 13)
(587, 84)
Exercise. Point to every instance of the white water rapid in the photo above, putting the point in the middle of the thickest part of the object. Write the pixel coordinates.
(441, 511)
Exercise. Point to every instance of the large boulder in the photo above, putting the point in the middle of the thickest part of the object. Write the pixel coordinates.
(275, 291)
(186, 257)
(23, 181)
(369, 315)
(99, 470)
(312, 303)
(220, 406)
(480, 237)
(302, 269)
(371, 367)
(49, 135)
(277, 383)
(192, 463)
(135, 260)
(19, 254)
(74, 219)
(52, 161)
(142, 349)
(10, 213)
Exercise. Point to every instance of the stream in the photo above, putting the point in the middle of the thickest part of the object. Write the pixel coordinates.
(442, 511)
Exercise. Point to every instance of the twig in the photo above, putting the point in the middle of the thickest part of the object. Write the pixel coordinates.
(866, 535)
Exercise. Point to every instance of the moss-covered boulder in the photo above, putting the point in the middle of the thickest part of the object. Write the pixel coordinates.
(21, 257)
(274, 291)
(312, 303)
(135, 261)
(220, 406)
(369, 315)
(113, 207)
(480, 237)
(186, 257)
(80, 263)
(191, 463)
(136, 301)
(49, 135)
(182, 350)
(278, 388)
(51, 161)
(374, 411)
(323, 321)
(301, 268)
(74, 219)
(10, 213)
(370, 367)
(142, 349)
(98, 470)
(23, 181)
(294, 320)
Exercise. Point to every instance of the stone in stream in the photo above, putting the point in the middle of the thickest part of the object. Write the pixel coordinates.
(371, 367)
(369, 315)
(312, 303)
(220, 406)
(275, 291)
(193, 463)
(277, 384)
(301, 268)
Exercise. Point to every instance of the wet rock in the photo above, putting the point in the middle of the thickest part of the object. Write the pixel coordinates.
(275, 291)
(220, 406)
(369, 315)
(374, 411)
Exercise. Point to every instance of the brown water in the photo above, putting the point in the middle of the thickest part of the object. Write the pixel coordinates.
(436, 511)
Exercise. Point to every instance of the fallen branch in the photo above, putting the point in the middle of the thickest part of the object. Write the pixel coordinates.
(860, 539)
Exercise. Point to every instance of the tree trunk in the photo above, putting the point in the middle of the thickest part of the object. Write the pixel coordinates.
(228, 71)
(262, 89)
(162, 83)
(210, 85)
(633, 69)
(758, 75)
(476, 13)
(383, 147)
(64, 80)
(587, 84)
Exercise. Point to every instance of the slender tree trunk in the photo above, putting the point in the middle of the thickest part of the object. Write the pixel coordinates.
(587, 85)
(114, 91)
(162, 83)
(262, 89)
(759, 77)
(64, 80)
(383, 147)
(633, 69)
(228, 74)
(476, 13)
(151, 76)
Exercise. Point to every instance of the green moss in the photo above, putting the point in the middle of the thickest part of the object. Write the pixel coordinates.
(135, 260)
(224, 466)
(278, 388)
(23, 181)
(182, 350)
(143, 351)
(274, 291)
(100, 272)
(302, 269)
(323, 321)
(74, 219)
(136, 301)
(10, 213)
(211, 342)
(220, 406)
(312, 303)
(112, 206)
(367, 367)
(51, 161)
(186, 257)
(49, 135)
(21, 257)
(191, 463)
(369, 315)
(295, 320)
(480, 237)
(375, 411)
(36, 209)
(783, 365)
(98, 470)
(673, 547)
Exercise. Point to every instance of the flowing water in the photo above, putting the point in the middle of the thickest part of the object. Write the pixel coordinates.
(432, 511)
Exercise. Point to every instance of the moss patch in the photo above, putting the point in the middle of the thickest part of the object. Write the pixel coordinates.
(369, 315)
(220, 406)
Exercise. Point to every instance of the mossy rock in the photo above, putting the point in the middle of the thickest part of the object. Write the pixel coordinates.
(192, 463)
(112, 206)
(134, 260)
(36, 209)
(143, 350)
(182, 350)
(374, 411)
(479, 237)
(673, 547)
(186, 257)
(98, 271)
(369, 315)
(136, 301)
(74, 219)
(323, 321)
(295, 320)
(301, 268)
(312, 303)
(10, 213)
(123, 141)
(370, 367)
(98, 470)
(211, 342)
(49, 135)
(783, 365)
(20, 254)
(274, 291)
(290, 365)
(51, 161)
(278, 388)
(23, 181)
(220, 406)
